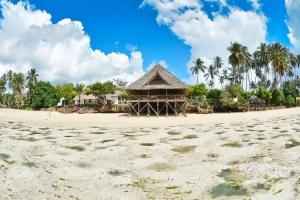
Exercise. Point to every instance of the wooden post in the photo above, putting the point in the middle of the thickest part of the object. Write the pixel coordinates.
(167, 110)
(138, 107)
(157, 107)
(129, 109)
(148, 106)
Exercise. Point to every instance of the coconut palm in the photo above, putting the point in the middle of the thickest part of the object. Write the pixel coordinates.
(31, 80)
(218, 62)
(79, 89)
(17, 83)
(9, 76)
(280, 61)
(197, 68)
(240, 60)
(210, 75)
(261, 59)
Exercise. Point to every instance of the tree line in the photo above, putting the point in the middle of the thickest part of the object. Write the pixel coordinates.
(18, 90)
(270, 73)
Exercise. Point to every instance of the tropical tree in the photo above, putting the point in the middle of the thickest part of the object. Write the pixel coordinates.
(79, 89)
(210, 75)
(261, 61)
(66, 91)
(280, 61)
(240, 60)
(98, 89)
(17, 83)
(197, 68)
(9, 77)
(44, 95)
(2, 86)
(31, 80)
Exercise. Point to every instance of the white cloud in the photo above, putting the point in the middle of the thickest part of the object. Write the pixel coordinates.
(60, 51)
(293, 23)
(255, 4)
(210, 37)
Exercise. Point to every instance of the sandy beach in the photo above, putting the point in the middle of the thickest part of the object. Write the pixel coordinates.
(48, 155)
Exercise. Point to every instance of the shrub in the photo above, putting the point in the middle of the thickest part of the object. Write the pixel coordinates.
(213, 97)
(277, 97)
(199, 90)
(290, 101)
(67, 91)
(44, 95)
(264, 93)
(235, 90)
(290, 89)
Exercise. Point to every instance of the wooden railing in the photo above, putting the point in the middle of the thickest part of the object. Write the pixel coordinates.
(157, 97)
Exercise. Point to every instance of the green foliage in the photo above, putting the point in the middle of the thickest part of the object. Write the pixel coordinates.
(290, 89)
(277, 97)
(213, 97)
(264, 93)
(67, 91)
(235, 90)
(244, 98)
(44, 95)
(290, 101)
(99, 89)
(199, 90)
(226, 99)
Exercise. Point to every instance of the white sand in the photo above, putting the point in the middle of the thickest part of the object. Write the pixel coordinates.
(112, 156)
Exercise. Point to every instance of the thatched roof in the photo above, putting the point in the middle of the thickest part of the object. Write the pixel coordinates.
(157, 78)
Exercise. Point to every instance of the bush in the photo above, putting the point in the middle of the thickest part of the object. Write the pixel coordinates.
(290, 89)
(199, 90)
(244, 98)
(213, 97)
(265, 94)
(290, 101)
(277, 97)
(235, 90)
(67, 91)
(44, 95)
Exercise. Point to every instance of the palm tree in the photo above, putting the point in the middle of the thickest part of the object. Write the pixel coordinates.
(223, 77)
(79, 89)
(17, 82)
(9, 77)
(31, 80)
(261, 59)
(240, 59)
(210, 75)
(198, 66)
(280, 61)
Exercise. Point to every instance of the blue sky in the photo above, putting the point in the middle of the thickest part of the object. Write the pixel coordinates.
(114, 25)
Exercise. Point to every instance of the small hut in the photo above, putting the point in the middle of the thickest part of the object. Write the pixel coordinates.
(158, 92)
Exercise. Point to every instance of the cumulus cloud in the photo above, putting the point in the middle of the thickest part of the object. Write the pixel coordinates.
(210, 37)
(60, 51)
(293, 23)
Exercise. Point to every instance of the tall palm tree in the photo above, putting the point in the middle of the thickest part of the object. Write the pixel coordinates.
(261, 59)
(79, 89)
(9, 77)
(240, 59)
(197, 68)
(17, 82)
(218, 62)
(280, 61)
(31, 80)
(210, 75)
(2, 85)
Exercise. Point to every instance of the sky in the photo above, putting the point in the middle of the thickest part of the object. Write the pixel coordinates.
(98, 40)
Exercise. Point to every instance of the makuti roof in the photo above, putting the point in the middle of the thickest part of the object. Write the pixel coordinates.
(157, 78)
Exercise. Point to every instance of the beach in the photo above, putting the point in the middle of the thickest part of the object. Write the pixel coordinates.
(49, 155)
